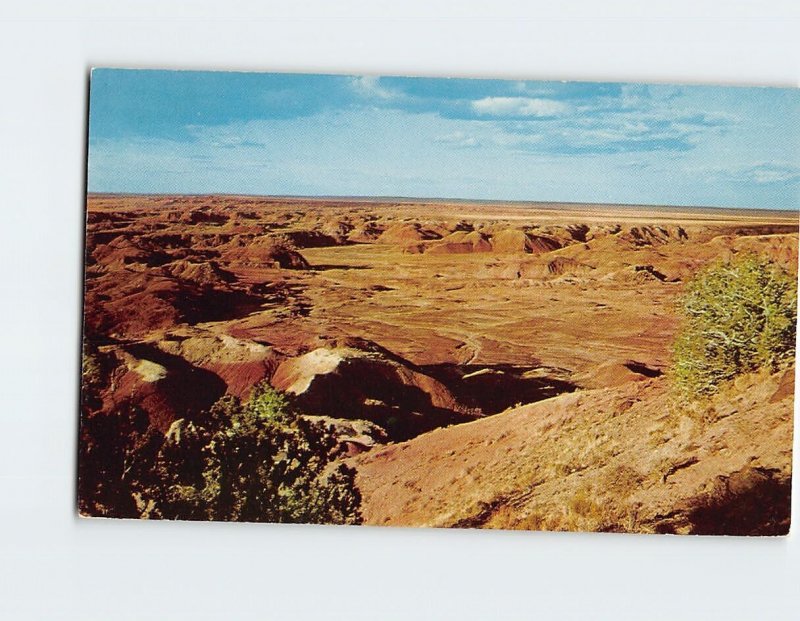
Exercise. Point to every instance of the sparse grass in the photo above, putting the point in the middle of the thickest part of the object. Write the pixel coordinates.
(584, 512)
(582, 503)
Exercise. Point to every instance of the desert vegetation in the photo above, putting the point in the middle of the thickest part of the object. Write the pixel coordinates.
(260, 462)
(738, 316)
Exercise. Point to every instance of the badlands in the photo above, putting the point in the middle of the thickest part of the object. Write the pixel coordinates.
(483, 364)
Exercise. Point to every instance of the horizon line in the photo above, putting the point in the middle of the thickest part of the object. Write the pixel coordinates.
(438, 199)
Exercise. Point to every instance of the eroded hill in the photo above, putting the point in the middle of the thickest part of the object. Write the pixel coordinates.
(625, 459)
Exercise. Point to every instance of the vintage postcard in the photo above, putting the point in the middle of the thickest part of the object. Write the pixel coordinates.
(439, 302)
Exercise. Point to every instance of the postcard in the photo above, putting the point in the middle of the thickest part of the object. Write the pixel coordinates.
(432, 302)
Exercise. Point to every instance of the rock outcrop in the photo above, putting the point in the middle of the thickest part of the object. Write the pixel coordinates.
(164, 386)
(239, 363)
(517, 241)
(265, 250)
(405, 233)
(462, 242)
(345, 382)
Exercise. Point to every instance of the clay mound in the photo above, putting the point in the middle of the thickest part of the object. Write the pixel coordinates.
(166, 387)
(312, 239)
(117, 253)
(204, 217)
(565, 265)
(344, 382)
(239, 363)
(359, 343)
(616, 373)
(100, 238)
(406, 233)
(245, 214)
(132, 304)
(639, 236)
(461, 226)
(462, 242)
(265, 251)
(564, 235)
(338, 229)
(208, 274)
(453, 248)
(103, 217)
(213, 241)
(560, 266)
(415, 249)
(579, 232)
(153, 242)
(641, 274)
(456, 237)
(517, 241)
(780, 248)
(437, 229)
(365, 233)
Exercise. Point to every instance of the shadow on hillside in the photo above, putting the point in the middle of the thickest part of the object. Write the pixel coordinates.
(497, 387)
(753, 501)
(750, 501)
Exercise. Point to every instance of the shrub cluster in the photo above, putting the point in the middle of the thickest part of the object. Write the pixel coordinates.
(256, 462)
(738, 316)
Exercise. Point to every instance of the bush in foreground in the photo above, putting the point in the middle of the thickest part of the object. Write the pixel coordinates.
(258, 462)
(738, 316)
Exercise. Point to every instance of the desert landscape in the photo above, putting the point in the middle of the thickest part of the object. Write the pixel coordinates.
(493, 365)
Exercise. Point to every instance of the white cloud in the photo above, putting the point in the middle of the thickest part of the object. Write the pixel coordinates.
(774, 173)
(518, 106)
(458, 139)
(369, 86)
(762, 173)
(771, 172)
(504, 139)
(532, 89)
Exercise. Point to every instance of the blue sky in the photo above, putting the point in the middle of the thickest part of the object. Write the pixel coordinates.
(294, 134)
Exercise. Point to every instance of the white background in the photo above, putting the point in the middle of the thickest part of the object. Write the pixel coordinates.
(55, 566)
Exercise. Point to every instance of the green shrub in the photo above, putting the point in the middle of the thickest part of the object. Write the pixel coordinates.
(738, 316)
(258, 462)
